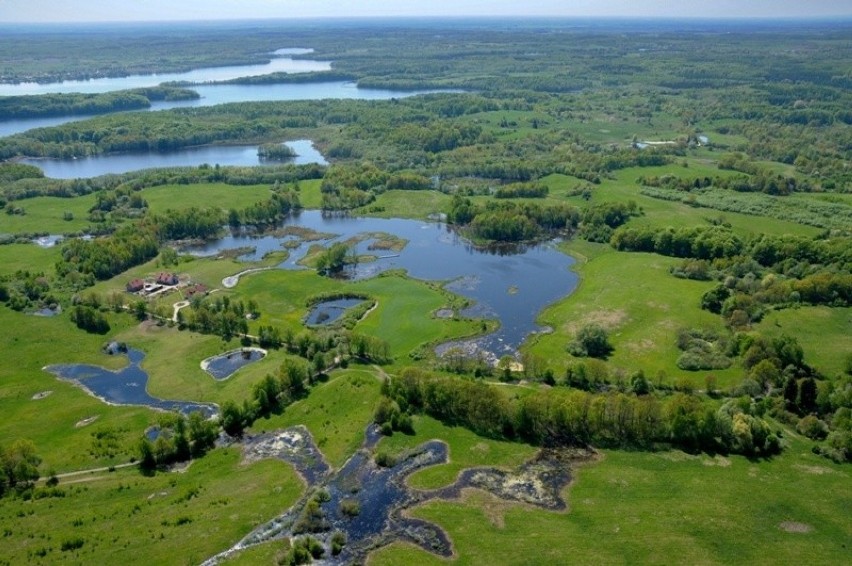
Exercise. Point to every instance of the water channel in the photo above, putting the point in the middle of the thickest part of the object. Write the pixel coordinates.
(509, 284)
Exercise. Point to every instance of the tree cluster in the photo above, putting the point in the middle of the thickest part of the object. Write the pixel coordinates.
(180, 438)
(570, 417)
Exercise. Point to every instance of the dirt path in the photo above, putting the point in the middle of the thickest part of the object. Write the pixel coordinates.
(232, 280)
(177, 306)
(91, 471)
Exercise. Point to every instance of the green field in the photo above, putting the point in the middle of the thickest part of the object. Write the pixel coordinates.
(179, 518)
(647, 508)
(642, 316)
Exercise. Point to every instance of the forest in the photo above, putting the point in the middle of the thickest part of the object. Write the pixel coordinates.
(700, 198)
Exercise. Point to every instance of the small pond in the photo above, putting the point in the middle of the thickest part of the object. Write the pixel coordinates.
(48, 311)
(126, 386)
(223, 366)
(117, 163)
(511, 284)
(327, 312)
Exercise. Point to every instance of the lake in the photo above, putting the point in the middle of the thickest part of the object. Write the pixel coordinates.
(223, 94)
(237, 155)
(210, 94)
(510, 284)
(279, 63)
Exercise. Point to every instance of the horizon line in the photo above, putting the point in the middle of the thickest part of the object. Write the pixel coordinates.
(837, 18)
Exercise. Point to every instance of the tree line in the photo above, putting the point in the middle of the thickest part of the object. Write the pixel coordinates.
(571, 417)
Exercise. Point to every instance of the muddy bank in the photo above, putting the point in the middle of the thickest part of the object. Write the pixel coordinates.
(367, 502)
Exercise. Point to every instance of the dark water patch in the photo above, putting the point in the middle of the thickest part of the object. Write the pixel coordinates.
(538, 482)
(327, 312)
(126, 386)
(153, 433)
(366, 502)
(223, 366)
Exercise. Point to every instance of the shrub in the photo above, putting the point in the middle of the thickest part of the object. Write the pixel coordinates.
(338, 541)
(591, 341)
(385, 460)
(812, 427)
(72, 544)
(350, 507)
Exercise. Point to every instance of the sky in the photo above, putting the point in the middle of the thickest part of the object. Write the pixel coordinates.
(56, 11)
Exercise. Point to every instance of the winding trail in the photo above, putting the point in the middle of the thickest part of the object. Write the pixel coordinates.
(177, 306)
(231, 281)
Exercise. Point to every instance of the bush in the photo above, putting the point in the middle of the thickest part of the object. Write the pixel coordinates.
(591, 341)
(812, 427)
(385, 460)
(338, 541)
(72, 544)
(350, 507)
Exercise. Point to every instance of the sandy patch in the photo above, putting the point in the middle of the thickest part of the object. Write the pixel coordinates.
(492, 506)
(794, 527)
(41, 395)
(480, 448)
(815, 470)
(717, 460)
(86, 421)
(677, 456)
(608, 319)
(641, 346)
(658, 306)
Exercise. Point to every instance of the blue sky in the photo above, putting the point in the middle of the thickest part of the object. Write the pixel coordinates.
(154, 10)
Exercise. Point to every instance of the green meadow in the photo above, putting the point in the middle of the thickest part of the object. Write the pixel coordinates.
(630, 507)
(642, 313)
(121, 516)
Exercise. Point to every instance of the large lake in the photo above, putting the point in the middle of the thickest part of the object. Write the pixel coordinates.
(511, 285)
(238, 155)
(210, 95)
(280, 62)
(222, 94)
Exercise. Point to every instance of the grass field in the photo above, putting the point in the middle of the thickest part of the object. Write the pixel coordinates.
(52, 422)
(46, 214)
(179, 197)
(660, 213)
(633, 508)
(408, 204)
(824, 333)
(639, 302)
(336, 412)
(170, 518)
(27, 257)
